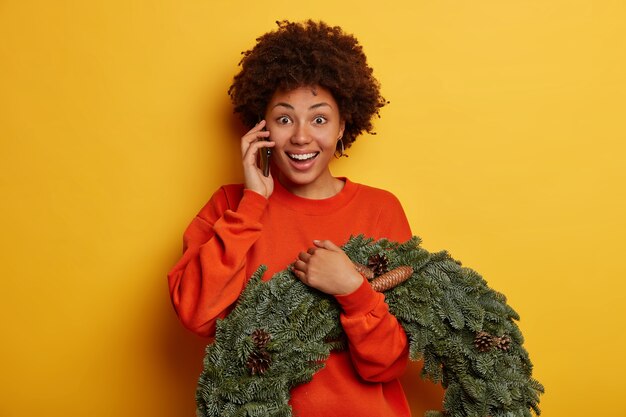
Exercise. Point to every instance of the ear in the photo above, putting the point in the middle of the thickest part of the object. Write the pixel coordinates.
(342, 127)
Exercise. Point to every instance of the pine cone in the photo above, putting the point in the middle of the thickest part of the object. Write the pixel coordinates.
(259, 362)
(392, 278)
(378, 263)
(260, 338)
(364, 270)
(484, 341)
(503, 343)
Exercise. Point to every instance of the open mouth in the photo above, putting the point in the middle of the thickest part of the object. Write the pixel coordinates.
(302, 157)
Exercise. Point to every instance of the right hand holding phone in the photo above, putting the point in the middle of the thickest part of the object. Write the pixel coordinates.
(251, 143)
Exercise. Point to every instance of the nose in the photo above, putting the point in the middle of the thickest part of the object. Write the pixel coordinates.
(300, 135)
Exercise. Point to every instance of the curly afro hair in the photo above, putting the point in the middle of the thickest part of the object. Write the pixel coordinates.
(308, 54)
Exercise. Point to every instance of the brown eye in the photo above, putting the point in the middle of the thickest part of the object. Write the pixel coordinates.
(283, 120)
(319, 120)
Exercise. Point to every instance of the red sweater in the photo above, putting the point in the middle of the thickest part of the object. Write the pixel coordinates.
(238, 230)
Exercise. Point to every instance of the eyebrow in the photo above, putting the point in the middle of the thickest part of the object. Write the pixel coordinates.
(313, 107)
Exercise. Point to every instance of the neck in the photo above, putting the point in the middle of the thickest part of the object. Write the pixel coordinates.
(322, 188)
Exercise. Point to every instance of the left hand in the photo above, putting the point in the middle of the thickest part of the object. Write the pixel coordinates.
(327, 268)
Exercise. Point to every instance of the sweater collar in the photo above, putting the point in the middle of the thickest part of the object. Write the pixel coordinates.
(314, 207)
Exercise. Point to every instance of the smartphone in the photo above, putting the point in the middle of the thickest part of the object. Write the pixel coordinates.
(264, 159)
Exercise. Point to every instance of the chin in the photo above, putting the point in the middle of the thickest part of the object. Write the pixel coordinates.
(299, 179)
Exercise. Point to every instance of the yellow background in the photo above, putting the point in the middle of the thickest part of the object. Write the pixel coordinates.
(504, 139)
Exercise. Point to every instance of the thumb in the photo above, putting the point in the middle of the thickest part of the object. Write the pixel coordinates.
(326, 244)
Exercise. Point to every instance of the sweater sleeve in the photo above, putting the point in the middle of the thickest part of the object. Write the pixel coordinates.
(377, 342)
(211, 274)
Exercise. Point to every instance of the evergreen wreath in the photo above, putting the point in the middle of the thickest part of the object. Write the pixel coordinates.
(281, 332)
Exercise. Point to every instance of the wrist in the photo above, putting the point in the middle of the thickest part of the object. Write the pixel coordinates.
(264, 190)
(360, 302)
(352, 283)
(256, 191)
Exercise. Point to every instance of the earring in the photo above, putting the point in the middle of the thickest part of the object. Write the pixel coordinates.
(341, 150)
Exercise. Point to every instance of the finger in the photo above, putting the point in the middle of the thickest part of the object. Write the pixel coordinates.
(299, 266)
(300, 275)
(253, 135)
(311, 251)
(326, 244)
(250, 140)
(251, 152)
(257, 127)
(255, 146)
(304, 256)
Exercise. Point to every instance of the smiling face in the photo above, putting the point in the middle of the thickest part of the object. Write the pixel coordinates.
(305, 124)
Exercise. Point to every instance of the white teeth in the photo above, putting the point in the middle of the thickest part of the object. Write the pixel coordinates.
(302, 156)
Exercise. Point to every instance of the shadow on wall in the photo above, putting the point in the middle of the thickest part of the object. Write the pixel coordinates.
(223, 149)
(182, 352)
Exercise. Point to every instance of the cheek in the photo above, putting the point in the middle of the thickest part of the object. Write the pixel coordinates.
(280, 136)
(328, 139)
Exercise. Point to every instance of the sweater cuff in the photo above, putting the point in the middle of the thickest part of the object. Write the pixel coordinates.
(359, 302)
(252, 205)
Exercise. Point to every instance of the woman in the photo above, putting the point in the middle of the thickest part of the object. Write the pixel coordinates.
(311, 88)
